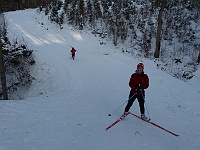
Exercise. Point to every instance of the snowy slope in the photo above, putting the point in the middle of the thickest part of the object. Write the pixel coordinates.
(69, 102)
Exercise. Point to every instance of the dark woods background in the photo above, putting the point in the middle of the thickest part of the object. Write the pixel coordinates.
(11, 5)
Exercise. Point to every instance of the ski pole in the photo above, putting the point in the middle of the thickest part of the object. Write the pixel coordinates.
(143, 96)
(147, 110)
(121, 105)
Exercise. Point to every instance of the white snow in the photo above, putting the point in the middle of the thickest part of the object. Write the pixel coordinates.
(68, 104)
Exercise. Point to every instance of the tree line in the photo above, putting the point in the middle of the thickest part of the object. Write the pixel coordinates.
(16, 61)
(164, 29)
(120, 19)
(12, 5)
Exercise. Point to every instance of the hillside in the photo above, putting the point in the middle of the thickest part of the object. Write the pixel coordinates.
(68, 104)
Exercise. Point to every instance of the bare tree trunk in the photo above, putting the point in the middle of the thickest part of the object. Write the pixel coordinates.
(159, 29)
(2, 75)
(1, 6)
(198, 58)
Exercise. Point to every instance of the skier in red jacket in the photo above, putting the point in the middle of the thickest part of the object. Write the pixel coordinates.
(73, 51)
(138, 82)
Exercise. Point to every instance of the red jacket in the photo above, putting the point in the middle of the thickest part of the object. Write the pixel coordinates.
(73, 51)
(138, 79)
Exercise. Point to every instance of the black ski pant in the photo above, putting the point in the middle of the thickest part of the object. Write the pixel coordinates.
(73, 56)
(140, 101)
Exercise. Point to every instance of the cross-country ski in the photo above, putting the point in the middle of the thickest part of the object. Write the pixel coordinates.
(118, 120)
(156, 125)
(148, 121)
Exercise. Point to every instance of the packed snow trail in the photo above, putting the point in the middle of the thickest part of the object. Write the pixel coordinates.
(68, 104)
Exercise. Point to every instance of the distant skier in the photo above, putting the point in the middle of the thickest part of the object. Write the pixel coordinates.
(138, 82)
(73, 52)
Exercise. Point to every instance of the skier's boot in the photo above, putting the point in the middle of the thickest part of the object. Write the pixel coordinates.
(143, 117)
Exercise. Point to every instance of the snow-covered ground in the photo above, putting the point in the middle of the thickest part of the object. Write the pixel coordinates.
(68, 104)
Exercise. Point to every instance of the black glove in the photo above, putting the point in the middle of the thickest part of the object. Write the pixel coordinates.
(139, 89)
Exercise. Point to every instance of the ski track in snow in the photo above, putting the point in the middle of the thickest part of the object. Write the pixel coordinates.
(69, 102)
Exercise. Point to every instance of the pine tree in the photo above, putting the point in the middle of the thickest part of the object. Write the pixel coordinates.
(82, 14)
(89, 14)
(97, 10)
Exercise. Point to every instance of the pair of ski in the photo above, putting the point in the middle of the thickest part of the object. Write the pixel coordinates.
(154, 124)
